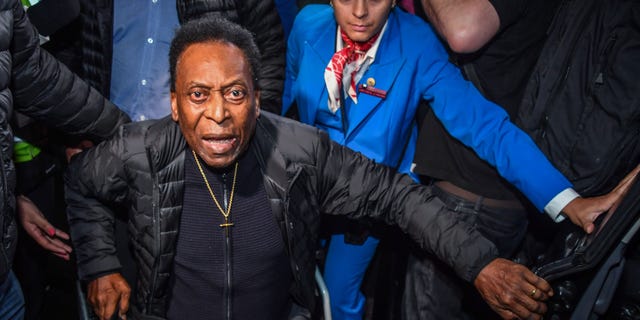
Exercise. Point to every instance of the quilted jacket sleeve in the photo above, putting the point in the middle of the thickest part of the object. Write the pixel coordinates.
(95, 184)
(46, 90)
(328, 178)
(356, 186)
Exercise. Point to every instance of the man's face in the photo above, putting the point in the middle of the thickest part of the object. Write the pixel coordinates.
(361, 19)
(215, 102)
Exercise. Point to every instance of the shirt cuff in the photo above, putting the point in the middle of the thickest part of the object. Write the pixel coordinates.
(555, 206)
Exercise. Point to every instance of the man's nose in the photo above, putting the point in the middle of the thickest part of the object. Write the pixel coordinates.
(217, 109)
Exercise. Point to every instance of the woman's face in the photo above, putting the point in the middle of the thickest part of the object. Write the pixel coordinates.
(361, 19)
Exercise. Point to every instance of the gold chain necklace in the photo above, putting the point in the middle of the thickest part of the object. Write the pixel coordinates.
(213, 196)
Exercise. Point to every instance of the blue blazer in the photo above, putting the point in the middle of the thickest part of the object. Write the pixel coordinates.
(411, 65)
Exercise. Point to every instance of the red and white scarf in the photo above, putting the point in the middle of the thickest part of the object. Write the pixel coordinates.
(351, 57)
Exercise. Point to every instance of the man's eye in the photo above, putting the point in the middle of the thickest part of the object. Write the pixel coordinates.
(235, 95)
(197, 96)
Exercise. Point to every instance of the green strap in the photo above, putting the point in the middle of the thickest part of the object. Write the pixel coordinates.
(23, 152)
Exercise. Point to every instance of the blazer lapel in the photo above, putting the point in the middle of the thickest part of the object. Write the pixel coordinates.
(383, 72)
(316, 58)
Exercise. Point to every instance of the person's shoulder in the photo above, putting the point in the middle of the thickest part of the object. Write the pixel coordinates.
(282, 125)
(141, 127)
(282, 130)
(136, 136)
(313, 10)
(312, 16)
(295, 141)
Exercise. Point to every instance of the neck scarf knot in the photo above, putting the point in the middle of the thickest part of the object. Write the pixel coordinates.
(352, 54)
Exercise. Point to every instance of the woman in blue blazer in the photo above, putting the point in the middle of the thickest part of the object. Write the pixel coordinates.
(367, 98)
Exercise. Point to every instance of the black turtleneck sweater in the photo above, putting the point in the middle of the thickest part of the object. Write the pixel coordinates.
(244, 276)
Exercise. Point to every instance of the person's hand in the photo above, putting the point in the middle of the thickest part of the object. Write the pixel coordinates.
(512, 290)
(72, 151)
(108, 293)
(37, 226)
(584, 211)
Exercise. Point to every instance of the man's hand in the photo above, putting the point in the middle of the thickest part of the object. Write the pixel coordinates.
(512, 290)
(584, 211)
(108, 292)
(72, 151)
(37, 226)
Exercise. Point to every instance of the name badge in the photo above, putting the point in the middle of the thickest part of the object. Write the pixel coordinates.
(372, 91)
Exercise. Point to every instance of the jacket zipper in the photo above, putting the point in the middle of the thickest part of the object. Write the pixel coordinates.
(156, 232)
(598, 80)
(227, 293)
(295, 269)
(559, 82)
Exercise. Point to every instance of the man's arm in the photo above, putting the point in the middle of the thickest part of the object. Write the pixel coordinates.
(466, 25)
(44, 89)
(584, 211)
(95, 182)
(94, 185)
(355, 186)
(512, 290)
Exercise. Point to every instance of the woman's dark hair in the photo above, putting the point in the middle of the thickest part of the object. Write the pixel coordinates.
(214, 29)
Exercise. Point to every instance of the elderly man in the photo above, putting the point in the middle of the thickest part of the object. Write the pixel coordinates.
(224, 202)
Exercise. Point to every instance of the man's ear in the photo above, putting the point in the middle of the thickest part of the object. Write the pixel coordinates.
(174, 106)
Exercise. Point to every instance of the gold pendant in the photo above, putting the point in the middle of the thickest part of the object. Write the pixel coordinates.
(225, 214)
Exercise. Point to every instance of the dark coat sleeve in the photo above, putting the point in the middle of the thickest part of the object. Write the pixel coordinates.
(46, 90)
(356, 186)
(94, 185)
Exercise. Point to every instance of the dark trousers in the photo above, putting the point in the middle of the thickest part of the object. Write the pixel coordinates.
(433, 290)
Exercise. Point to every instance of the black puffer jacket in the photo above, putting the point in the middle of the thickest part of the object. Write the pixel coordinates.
(258, 16)
(305, 175)
(37, 85)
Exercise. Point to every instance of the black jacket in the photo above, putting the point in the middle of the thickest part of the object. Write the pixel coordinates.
(305, 175)
(258, 16)
(37, 85)
(581, 105)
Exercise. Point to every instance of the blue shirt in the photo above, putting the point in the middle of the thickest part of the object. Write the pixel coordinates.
(142, 33)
